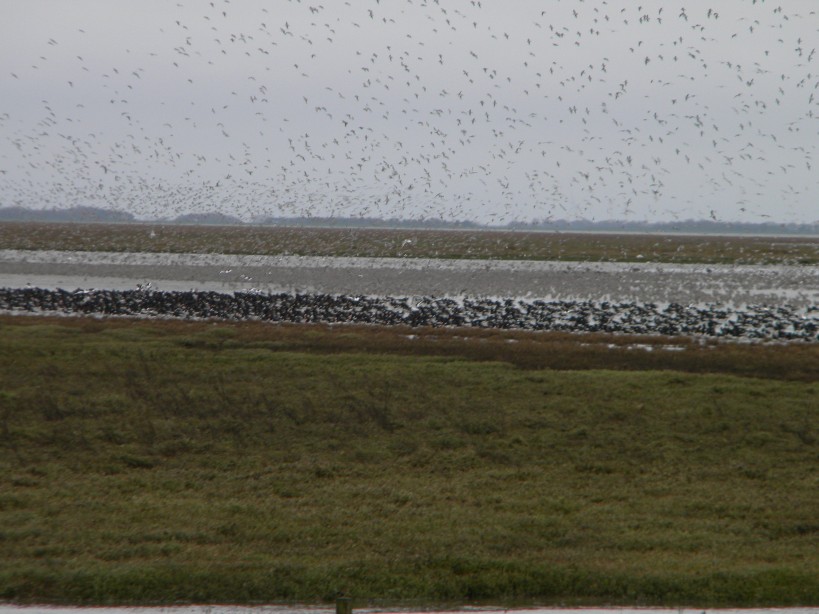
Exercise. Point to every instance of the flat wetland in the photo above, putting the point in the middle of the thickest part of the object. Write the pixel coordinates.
(385, 243)
(162, 462)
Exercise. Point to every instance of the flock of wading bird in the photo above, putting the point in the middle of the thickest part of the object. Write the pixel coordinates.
(753, 322)
(482, 110)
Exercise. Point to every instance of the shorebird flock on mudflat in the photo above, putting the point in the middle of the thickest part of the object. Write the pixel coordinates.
(752, 322)
(483, 110)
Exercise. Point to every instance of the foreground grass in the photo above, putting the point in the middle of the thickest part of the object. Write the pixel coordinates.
(165, 461)
(501, 245)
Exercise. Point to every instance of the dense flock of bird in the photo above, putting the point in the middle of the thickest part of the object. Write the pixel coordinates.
(480, 110)
(458, 109)
(749, 323)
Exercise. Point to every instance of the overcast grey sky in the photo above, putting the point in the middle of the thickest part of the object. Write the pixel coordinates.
(457, 109)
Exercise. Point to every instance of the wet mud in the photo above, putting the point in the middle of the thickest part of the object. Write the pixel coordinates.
(742, 302)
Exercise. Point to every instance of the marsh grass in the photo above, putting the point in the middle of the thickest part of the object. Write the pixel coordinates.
(159, 462)
(501, 245)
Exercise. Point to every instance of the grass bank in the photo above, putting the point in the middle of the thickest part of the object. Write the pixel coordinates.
(145, 462)
(386, 243)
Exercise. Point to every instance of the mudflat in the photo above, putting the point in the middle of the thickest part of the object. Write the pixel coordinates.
(735, 285)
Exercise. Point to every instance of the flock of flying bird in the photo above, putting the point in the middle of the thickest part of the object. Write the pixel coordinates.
(458, 109)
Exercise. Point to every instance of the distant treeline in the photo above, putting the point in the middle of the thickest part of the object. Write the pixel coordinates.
(99, 215)
(686, 226)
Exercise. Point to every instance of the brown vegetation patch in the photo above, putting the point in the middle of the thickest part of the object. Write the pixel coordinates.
(403, 243)
(523, 349)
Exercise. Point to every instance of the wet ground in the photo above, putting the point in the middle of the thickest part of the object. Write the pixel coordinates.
(795, 286)
(757, 303)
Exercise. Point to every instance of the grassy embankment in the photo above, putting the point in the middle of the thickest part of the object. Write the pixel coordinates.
(170, 461)
(505, 245)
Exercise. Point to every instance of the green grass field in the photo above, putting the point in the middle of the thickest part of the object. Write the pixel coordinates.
(164, 462)
(503, 245)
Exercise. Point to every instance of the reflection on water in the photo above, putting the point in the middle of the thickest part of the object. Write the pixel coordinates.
(688, 284)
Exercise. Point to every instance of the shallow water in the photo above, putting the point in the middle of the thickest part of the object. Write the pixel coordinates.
(616, 282)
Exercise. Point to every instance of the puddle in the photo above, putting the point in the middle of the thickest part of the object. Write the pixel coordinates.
(547, 280)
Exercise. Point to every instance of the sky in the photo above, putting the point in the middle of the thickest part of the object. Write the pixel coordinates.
(490, 111)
